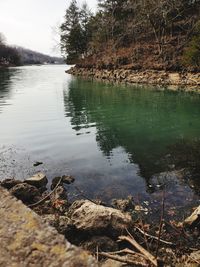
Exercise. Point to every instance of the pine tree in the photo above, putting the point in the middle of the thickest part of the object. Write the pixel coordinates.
(71, 34)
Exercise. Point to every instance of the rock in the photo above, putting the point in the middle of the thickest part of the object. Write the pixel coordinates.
(65, 179)
(88, 216)
(124, 204)
(37, 163)
(193, 219)
(103, 243)
(62, 223)
(9, 183)
(26, 240)
(59, 193)
(59, 199)
(68, 179)
(25, 192)
(38, 180)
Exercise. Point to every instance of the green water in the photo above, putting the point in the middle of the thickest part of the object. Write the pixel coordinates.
(113, 138)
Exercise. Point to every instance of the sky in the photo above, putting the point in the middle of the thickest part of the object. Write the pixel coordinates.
(33, 24)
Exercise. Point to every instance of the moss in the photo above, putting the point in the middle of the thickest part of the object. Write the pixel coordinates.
(58, 250)
(39, 247)
(17, 241)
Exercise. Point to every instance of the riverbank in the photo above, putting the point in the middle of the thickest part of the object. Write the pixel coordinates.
(98, 228)
(152, 77)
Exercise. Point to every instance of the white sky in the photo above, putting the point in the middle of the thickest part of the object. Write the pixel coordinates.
(30, 23)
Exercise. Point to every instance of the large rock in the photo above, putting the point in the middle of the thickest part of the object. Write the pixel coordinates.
(88, 216)
(193, 219)
(38, 180)
(25, 192)
(27, 241)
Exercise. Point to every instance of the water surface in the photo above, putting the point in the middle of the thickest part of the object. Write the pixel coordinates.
(114, 139)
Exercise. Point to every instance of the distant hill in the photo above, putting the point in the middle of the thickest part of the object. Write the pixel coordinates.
(28, 56)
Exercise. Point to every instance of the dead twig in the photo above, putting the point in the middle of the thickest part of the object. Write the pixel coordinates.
(155, 237)
(146, 253)
(194, 260)
(142, 224)
(161, 223)
(47, 197)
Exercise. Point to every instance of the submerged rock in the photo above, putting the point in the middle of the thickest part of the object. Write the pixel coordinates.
(64, 179)
(37, 163)
(124, 204)
(193, 219)
(38, 180)
(88, 216)
(59, 193)
(25, 192)
(9, 183)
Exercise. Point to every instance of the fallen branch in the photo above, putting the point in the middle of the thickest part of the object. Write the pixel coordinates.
(146, 253)
(127, 251)
(154, 237)
(47, 197)
(123, 259)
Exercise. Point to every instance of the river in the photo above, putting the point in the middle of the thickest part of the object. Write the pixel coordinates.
(115, 139)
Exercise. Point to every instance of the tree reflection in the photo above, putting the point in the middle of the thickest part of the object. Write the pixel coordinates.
(5, 86)
(146, 123)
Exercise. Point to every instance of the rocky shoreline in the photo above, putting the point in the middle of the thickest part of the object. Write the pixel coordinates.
(112, 234)
(152, 77)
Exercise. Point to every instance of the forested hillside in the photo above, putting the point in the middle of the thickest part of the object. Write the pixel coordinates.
(28, 56)
(8, 55)
(16, 55)
(135, 34)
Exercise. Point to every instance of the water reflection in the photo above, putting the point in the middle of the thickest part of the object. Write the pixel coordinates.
(147, 124)
(5, 89)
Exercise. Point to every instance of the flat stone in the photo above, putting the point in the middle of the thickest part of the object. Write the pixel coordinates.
(38, 180)
(26, 240)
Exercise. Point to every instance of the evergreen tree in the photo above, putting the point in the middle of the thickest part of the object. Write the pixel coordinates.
(85, 20)
(71, 34)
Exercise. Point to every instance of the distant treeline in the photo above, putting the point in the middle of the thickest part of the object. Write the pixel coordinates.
(32, 57)
(15, 56)
(138, 33)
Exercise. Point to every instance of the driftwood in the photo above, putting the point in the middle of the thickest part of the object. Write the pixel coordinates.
(124, 259)
(146, 253)
(155, 237)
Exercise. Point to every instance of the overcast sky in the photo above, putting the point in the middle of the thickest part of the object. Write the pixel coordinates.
(30, 23)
